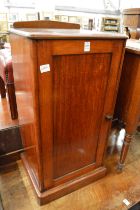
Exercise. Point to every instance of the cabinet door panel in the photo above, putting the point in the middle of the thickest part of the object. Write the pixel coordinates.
(80, 83)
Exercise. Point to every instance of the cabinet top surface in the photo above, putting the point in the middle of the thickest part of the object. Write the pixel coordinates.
(133, 46)
(41, 33)
(131, 11)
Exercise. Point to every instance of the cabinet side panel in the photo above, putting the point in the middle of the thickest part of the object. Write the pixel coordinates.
(128, 100)
(24, 65)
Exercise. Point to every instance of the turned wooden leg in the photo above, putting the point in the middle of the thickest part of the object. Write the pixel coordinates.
(124, 151)
(12, 100)
(2, 88)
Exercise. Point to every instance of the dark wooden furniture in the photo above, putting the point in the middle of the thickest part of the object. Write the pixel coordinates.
(131, 20)
(128, 99)
(10, 145)
(66, 85)
(45, 24)
(7, 80)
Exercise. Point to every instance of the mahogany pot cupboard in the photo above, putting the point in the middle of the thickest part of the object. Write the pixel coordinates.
(128, 100)
(67, 81)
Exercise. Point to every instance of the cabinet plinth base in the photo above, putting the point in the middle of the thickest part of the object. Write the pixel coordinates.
(66, 188)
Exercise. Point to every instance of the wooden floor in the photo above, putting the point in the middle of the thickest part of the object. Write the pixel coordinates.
(105, 194)
(5, 117)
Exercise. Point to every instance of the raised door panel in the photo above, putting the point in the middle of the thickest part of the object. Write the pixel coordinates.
(79, 92)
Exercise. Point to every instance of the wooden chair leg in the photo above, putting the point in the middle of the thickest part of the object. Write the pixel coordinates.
(125, 148)
(2, 88)
(12, 100)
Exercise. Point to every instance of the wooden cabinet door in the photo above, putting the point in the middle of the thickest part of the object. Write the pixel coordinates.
(75, 95)
(80, 83)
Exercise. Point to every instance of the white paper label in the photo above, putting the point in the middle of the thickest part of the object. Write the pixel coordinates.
(127, 203)
(86, 46)
(45, 68)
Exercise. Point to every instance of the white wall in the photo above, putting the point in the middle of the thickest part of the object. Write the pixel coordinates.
(89, 4)
(92, 4)
(2, 8)
(130, 4)
(49, 5)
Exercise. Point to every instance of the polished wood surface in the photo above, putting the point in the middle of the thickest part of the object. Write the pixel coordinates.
(131, 19)
(44, 33)
(2, 88)
(79, 120)
(11, 97)
(25, 75)
(128, 100)
(5, 117)
(133, 46)
(12, 100)
(10, 145)
(105, 194)
(45, 24)
(62, 112)
(73, 47)
(132, 11)
(7, 80)
(10, 140)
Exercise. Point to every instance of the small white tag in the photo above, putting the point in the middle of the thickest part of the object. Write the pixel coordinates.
(86, 46)
(45, 68)
(126, 202)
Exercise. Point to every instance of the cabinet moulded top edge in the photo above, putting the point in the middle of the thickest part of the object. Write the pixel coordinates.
(33, 33)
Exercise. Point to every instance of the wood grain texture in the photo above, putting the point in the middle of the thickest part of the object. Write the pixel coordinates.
(128, 99)
(66, 125)
(79, 91)
(11, 97)
(131, 19)
(2, 88)
(26, 93)
(107, 193)
(45, 33)
(12, 100)
(131, 11)
(45, 24)
(63, 188)
(5, 117)
(46, 49)
(10, 144)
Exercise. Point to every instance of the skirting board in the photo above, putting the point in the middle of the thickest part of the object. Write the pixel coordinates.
(63, 189)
